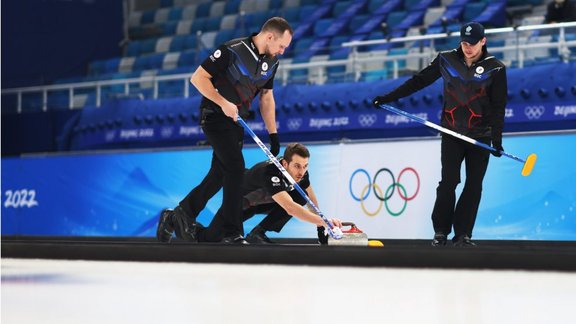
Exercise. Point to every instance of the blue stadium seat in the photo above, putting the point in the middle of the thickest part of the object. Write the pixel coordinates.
(300, 46)
(374, 4)
(413, 18)
(217, 9)
(451, 14)
(224, 36)
(493, 15)
(133, 48)
(190, 42)
(411, 5)
(473, 10)
(356, 22)
(395, 18)
(175, 14)
(340, 7)
(147, 46)
(169, 28)
(336, 44)
(253, 21)
(112, 65)
(387, 7)
(459, 3)
(306, 11)
(141, 63)
(318, 47)
(232, 6)
(212, 23)
(371, 24)
(177, 43)
(203, 10)
(321, 26)
(198, 24)
(292, 15)
(156, 61)
(147, 17)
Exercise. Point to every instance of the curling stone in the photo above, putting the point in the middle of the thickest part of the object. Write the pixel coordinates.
(352, 236)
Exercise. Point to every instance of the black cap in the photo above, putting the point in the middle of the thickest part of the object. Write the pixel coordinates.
(471, 33)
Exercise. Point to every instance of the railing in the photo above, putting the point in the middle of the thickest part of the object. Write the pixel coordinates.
(356, 63)
(97, 85)
(562, 45)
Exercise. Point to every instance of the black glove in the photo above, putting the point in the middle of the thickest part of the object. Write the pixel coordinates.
(497, 144)
(322, 237)
(381, 100)
(274, 144)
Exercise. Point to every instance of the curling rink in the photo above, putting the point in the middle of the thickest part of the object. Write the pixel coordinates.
(59, 291)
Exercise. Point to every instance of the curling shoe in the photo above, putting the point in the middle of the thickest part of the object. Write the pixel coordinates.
(258, 236)
(235, 240)
(463, 241)
(439, 239)
(165, 228)
(185, 226)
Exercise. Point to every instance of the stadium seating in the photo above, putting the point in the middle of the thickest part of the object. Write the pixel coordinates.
(328, 111)
(177, 35)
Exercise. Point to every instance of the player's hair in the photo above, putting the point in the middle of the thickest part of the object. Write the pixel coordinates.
(295, 148)
(277, 25)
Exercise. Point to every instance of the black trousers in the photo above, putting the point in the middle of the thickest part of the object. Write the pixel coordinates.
(447, 212)
(226, 172)
(275, 219)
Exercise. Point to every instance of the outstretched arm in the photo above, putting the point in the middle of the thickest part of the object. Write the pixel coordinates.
(292, 208)
(417, 82)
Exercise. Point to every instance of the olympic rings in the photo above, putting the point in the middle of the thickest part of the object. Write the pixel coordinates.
(387, 190)
(417, 187)
(350, 185)
(367, 189)
(377, 189)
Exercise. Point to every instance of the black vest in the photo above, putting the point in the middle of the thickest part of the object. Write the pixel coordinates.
(467, 103)
(247, 72)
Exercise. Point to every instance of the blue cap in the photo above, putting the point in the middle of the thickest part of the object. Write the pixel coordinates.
(471, 33)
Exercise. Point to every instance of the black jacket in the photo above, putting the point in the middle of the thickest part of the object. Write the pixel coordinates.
(238, 72)
(264, 180)
(474, 97)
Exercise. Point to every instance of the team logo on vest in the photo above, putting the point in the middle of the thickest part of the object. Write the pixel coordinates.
(275, 181)
(216, 55)
(264, 69)
(479, 71)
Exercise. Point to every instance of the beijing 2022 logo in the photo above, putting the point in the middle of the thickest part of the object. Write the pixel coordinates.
(363, 187)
